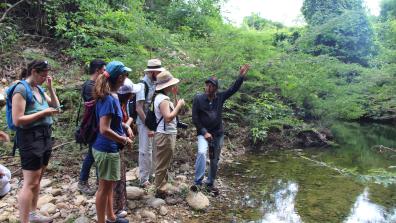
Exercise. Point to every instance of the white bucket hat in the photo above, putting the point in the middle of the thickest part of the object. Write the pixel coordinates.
(129, 87)
(165, 79)
(154, 65)
(5, 186)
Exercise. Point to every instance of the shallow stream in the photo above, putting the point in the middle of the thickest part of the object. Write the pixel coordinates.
(354, 181)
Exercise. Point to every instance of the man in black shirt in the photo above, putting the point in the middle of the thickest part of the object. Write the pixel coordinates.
(207, 117)
(96, 67)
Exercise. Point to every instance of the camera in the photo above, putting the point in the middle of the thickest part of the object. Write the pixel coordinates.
(181, 124)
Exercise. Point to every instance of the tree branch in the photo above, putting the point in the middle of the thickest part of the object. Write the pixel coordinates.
(9, 9)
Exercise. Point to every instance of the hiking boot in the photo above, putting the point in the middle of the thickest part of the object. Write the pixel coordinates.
(214, 191)
(84, 188)
(38, 218)
(118, 220)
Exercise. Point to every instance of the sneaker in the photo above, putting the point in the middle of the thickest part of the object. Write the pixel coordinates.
(121, 214)
(84, 188)
(38, 218)
(118, 220)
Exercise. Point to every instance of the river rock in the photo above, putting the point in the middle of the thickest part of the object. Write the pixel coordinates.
(56, 192)
(12, 218)
(173, 201)
(4, 216)
(80, 200)
(134, 193)
(181, 178)
(149, 214)
(313, 138)
(3, 204)
(185, 167)
(132, 205)
(163, 210)
(155, 202)
(45, 200)
(56, 215)
(45, 183)
(62, 205)
(49, 208)
(132, 174)
(197, 200)
(82, 219)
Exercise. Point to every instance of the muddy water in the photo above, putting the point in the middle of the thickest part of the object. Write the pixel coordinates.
(354, 181)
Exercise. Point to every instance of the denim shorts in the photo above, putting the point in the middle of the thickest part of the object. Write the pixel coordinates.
(35, 147)
(109, 165)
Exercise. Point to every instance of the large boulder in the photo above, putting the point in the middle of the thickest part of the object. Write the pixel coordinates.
(197, 200)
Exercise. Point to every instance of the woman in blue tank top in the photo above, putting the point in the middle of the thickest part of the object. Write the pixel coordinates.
(33, 136)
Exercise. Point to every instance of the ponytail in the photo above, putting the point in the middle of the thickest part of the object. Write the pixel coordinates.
(102, 87)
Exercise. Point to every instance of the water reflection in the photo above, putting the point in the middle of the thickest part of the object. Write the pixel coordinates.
(281, 206)
(365, 211)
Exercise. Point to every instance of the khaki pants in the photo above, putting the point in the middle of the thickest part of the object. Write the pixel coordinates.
(164, 146)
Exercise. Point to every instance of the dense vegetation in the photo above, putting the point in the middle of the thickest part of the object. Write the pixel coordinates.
(340, 66)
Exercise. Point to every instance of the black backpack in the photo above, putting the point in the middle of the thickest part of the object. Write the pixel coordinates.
(151, 120)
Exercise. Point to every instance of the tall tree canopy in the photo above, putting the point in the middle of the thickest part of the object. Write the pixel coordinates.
(338, 28)
(317, 12)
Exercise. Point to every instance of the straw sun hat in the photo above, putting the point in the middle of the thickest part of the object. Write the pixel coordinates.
(165, 79)
(154, 65)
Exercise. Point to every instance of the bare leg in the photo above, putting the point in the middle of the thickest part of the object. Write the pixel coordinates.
(37, 191)
(30, 189)
(109, 209)
(104, 200)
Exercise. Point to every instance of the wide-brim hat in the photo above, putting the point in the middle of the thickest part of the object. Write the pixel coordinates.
(129, 87)
(154, 65)
(164, 80)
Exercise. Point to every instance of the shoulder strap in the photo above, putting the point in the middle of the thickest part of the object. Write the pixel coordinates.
(29, 94)
(146, 89)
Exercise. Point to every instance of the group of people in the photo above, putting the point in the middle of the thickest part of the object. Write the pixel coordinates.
(112, 91)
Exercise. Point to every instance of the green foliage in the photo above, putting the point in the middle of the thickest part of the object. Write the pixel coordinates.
(268, 110)
(317, 12)
(388, 9)
(323, 86)
(312, 72)
(197, 17)
(256, 22)
(348, 37)
(9, 35)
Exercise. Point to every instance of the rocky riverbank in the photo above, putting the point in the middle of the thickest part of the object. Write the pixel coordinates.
(60, 198)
